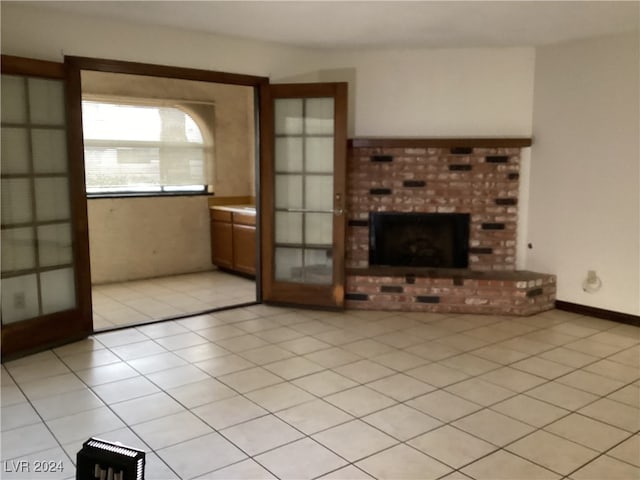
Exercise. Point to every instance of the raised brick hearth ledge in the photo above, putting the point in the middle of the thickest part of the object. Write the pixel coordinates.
(450, 291)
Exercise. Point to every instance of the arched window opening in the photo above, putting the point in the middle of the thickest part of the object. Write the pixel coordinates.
(143, 149)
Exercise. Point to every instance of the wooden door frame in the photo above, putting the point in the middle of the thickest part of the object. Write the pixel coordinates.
(77, 64)
(311, 294)
(53, 329)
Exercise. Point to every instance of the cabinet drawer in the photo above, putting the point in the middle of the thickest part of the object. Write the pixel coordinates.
(220, 215)
(244, 218)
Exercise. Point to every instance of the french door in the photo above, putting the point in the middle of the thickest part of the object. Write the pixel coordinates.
(46, 291)
(303, 170)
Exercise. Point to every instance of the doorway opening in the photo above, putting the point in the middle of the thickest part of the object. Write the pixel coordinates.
(152, 193)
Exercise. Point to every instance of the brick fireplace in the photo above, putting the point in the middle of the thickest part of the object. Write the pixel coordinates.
(478, 177)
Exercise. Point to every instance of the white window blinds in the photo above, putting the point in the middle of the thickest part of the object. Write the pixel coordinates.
(133, 149)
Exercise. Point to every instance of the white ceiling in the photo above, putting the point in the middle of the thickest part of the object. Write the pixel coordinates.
(376, 24)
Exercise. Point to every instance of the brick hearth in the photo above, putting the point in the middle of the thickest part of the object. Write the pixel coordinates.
(475, 176)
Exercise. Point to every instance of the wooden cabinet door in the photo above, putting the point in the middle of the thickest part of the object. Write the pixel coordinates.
(221, 244)
(244, 249)
(303, 172)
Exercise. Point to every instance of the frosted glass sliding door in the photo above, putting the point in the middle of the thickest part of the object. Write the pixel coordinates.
(37, 261)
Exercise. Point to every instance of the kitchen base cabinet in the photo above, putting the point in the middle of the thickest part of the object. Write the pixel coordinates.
(233, 239)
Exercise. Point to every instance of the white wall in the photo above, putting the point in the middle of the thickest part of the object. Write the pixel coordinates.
(584, 206)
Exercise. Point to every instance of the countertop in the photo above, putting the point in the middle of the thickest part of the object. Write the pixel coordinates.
(247, 209)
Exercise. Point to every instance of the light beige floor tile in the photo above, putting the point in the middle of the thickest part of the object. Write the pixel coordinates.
(339, 336)
(47, 387)
(566, 356)
(146, 408)
(493, 427)
(443, 405)
(402, 422)
(203, 351)
(303, 459)
(490, 334)
(349, 472)
(462, 342)
(433, 351)
(175, 377)
(470, 364)
(363, 440)
(121, 337)
(529, 410)
(314, 416)
(503, 465)
(261, 434)
(479, 391)
(200, 322)
(182, 340)
(614, 413)
(256, 324)
(542, 368)
(26, 440)
(590, 382)
(193, 457)
(437, 375)
(11, 395)
(66, 404)
(607, 467)
(552, 336)
(618, 339)
(80, 426)
(162, 329)
(587, 432)
(251, 379)
(525, 345)
(332, 357)
(452, 446)
(324, 383)
(398, 339)
(562, 395)
(403, 462)
(360, 401)
(242, 343)
(156, 363)
(364, 371)
(171, 429)
(615, 370)
(552, 452)
(629, 395)
(630, 357)
(229, 412)
(628, 451)
(591, 347)
(280, 334)
(224, 365)
(280, 396)
(246, 469)
(401, 387)
(132, 351)
(106, 374)
(574, 329)
(400, 360)
(499, 354)
(18, 415)
(455, 476)
(90, 359)
(368, 348)
(304, 345)
(221, 332)
(513, 379)
(293, 368)
(125, 389)
(200, 393)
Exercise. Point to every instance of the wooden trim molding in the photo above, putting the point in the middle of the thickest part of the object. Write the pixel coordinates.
(627, 318)
(440, 142)
(33, 68)
(136, 68)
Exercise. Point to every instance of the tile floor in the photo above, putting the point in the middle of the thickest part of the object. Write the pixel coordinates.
(141, 301)
(265, 392)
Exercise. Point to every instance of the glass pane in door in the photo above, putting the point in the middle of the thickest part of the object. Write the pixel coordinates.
(304, 157)
(37, 261)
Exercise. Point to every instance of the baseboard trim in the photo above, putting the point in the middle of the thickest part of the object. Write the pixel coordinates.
(599, 313)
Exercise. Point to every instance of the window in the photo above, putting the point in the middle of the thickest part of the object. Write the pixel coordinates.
(133, 149)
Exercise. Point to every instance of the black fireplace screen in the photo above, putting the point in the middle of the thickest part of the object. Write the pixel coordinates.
(436, 240)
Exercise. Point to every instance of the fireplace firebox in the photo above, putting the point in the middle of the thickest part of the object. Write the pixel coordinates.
(438, 240)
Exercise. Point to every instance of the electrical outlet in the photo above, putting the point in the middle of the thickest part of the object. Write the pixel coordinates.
(19, 300)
